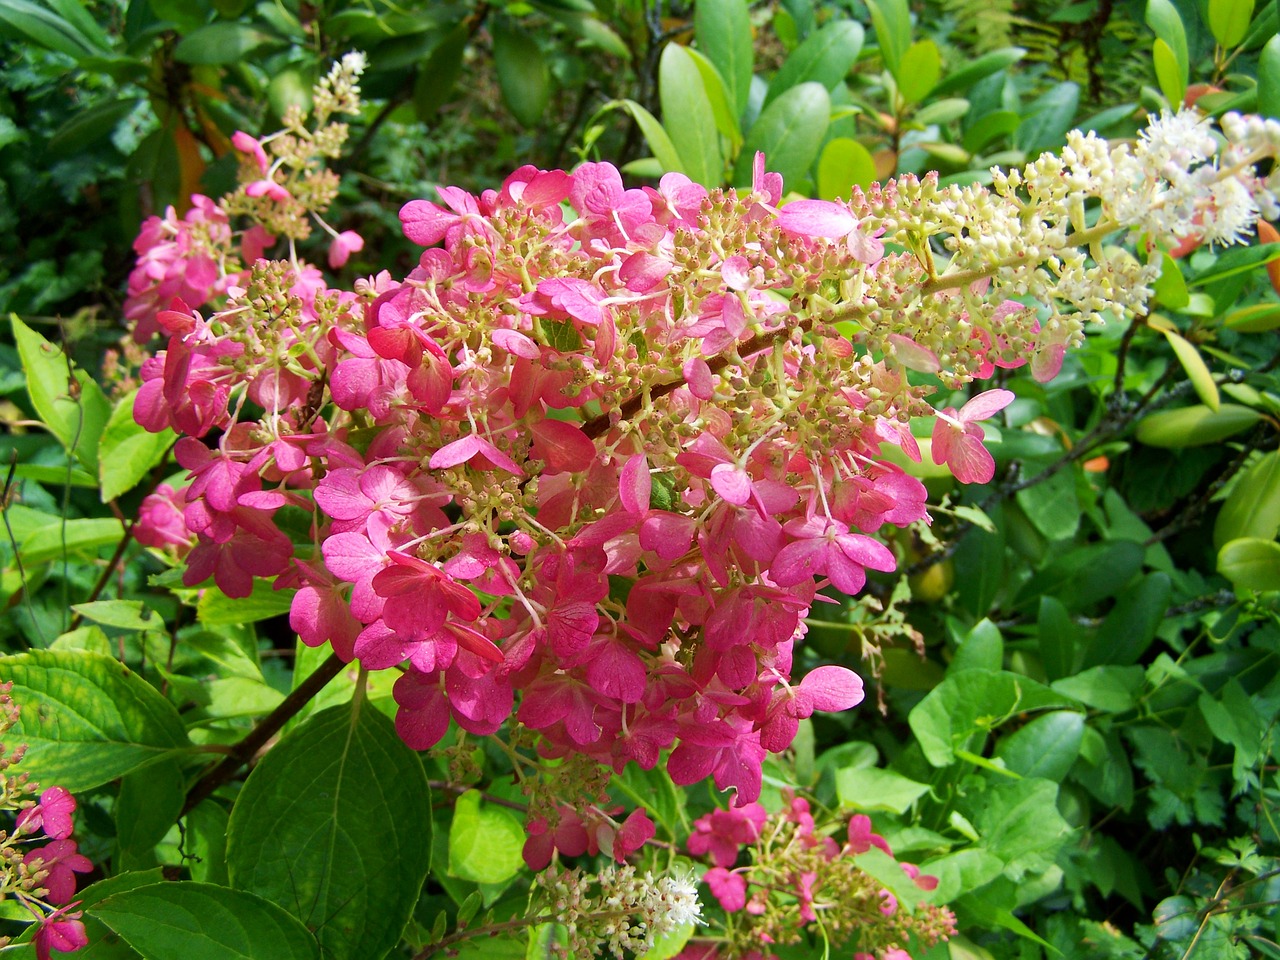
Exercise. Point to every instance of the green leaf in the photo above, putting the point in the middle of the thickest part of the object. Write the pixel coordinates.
(687, 116)
(789, 132)
(46, 28)
(1251, 563)
(87, 719)
(1019, 823)
(1197, 370)
(826, 57)
(87, 127)
(1059, 638)
(439, 72)
(1048, 118)
(125, 614)
(723, 32)
(147, 806)
(1253, 508)
(721, 107)
(1255, 318)
(999, 123)
(486, 842)
(1046, 747)
(921, 70)
(69, 537)
(216, 609)
(670, 944)
(1229, 20)
(68, 401)
(1173, 82)
(869, 788)
(206, 843)
(892, 20)
(222, 42)
(128, 452)
(200, 921)
(1053, 506)
(969, 703)
(663, 149)
(1110, 688)
(961, 872)
(981, 649)
(958, 81)
(844, 164)
(1164, 21)
(1194, 426)
(1269, 79)
(523, 76)
(1132, 623)
(1171, 287)
(301, 833)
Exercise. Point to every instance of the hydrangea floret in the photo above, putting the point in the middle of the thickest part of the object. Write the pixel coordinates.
(38, 859)
(585, 468)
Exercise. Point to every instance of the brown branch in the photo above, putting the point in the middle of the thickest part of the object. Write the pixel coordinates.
(267, 728)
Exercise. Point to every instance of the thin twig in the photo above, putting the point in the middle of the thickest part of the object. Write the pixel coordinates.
(267, 728)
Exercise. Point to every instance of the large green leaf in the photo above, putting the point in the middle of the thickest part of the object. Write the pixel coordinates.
(1046, 747)
(921, 69)
(38, 23)
(659, 142)
(59, 537)
(147, 806)
(844, 164)
(687, 116)
(1251, 564)
(723, 32)
(1165, 22)
(721, 107)
(1048, 118)
(1132, 623)
(485, 842)
(870, 788)
(892, 20)
(1229, 20)
(1195, 426)
(334, 825)
(201, 921)
(222, 42)
(128, 452)
(68, 401)
(826, 57)
(961, 79)
(1253, 509)
(789, 133)
(87, 719)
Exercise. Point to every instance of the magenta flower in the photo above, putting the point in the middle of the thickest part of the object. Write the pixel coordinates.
(728, 888)
(827, 547)
(62, 862)
(957, 438)
(343, 246)
(52, 815)
(722, 832)
(834, 220)
(61, 931)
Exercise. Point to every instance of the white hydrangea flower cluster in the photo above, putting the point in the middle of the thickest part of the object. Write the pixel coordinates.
(339, 90)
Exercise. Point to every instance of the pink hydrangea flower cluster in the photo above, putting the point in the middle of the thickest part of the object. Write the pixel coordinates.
(49, 871)
(796, 872)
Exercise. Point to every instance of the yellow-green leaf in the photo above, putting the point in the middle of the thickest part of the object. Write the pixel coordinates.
(1229, 20)
(1251, 563)
(920, 71)
(1197, 370)
(1257, 318)
(844, 164)
(1195, 426)
(1173, 82)
(1253, 508)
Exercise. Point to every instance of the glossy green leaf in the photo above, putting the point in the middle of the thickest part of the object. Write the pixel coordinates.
(961, 79)
(60, 538)
(485, 841)
(206, 842)
(1020, 823)
(1255, 318)
(1196, 369)
(721, 106)
(87, 719)
(687, 116)
(1171, 287)
(921, 69)
(67, 400)
(1053, 506)
(314, 802)
(844, 164)
(222, 42)
(998, 123)
(892, 21)
(1194, 426)
(723, 32)
(1131, 625)
(201, 921)
(1165, 22)
(961, 872)
(1253, 508)
(870, 788)
(1229, 20)
(1170, 76)
(982, 648)
(789, 132)
(958, 713)
(523, 76)
(128, 452)
(1048, 118)
(826, 57)
(1269, 79)
(1251, 563)
(1046, 747)
(43, 26)
(663, 149)
(1059, 638)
